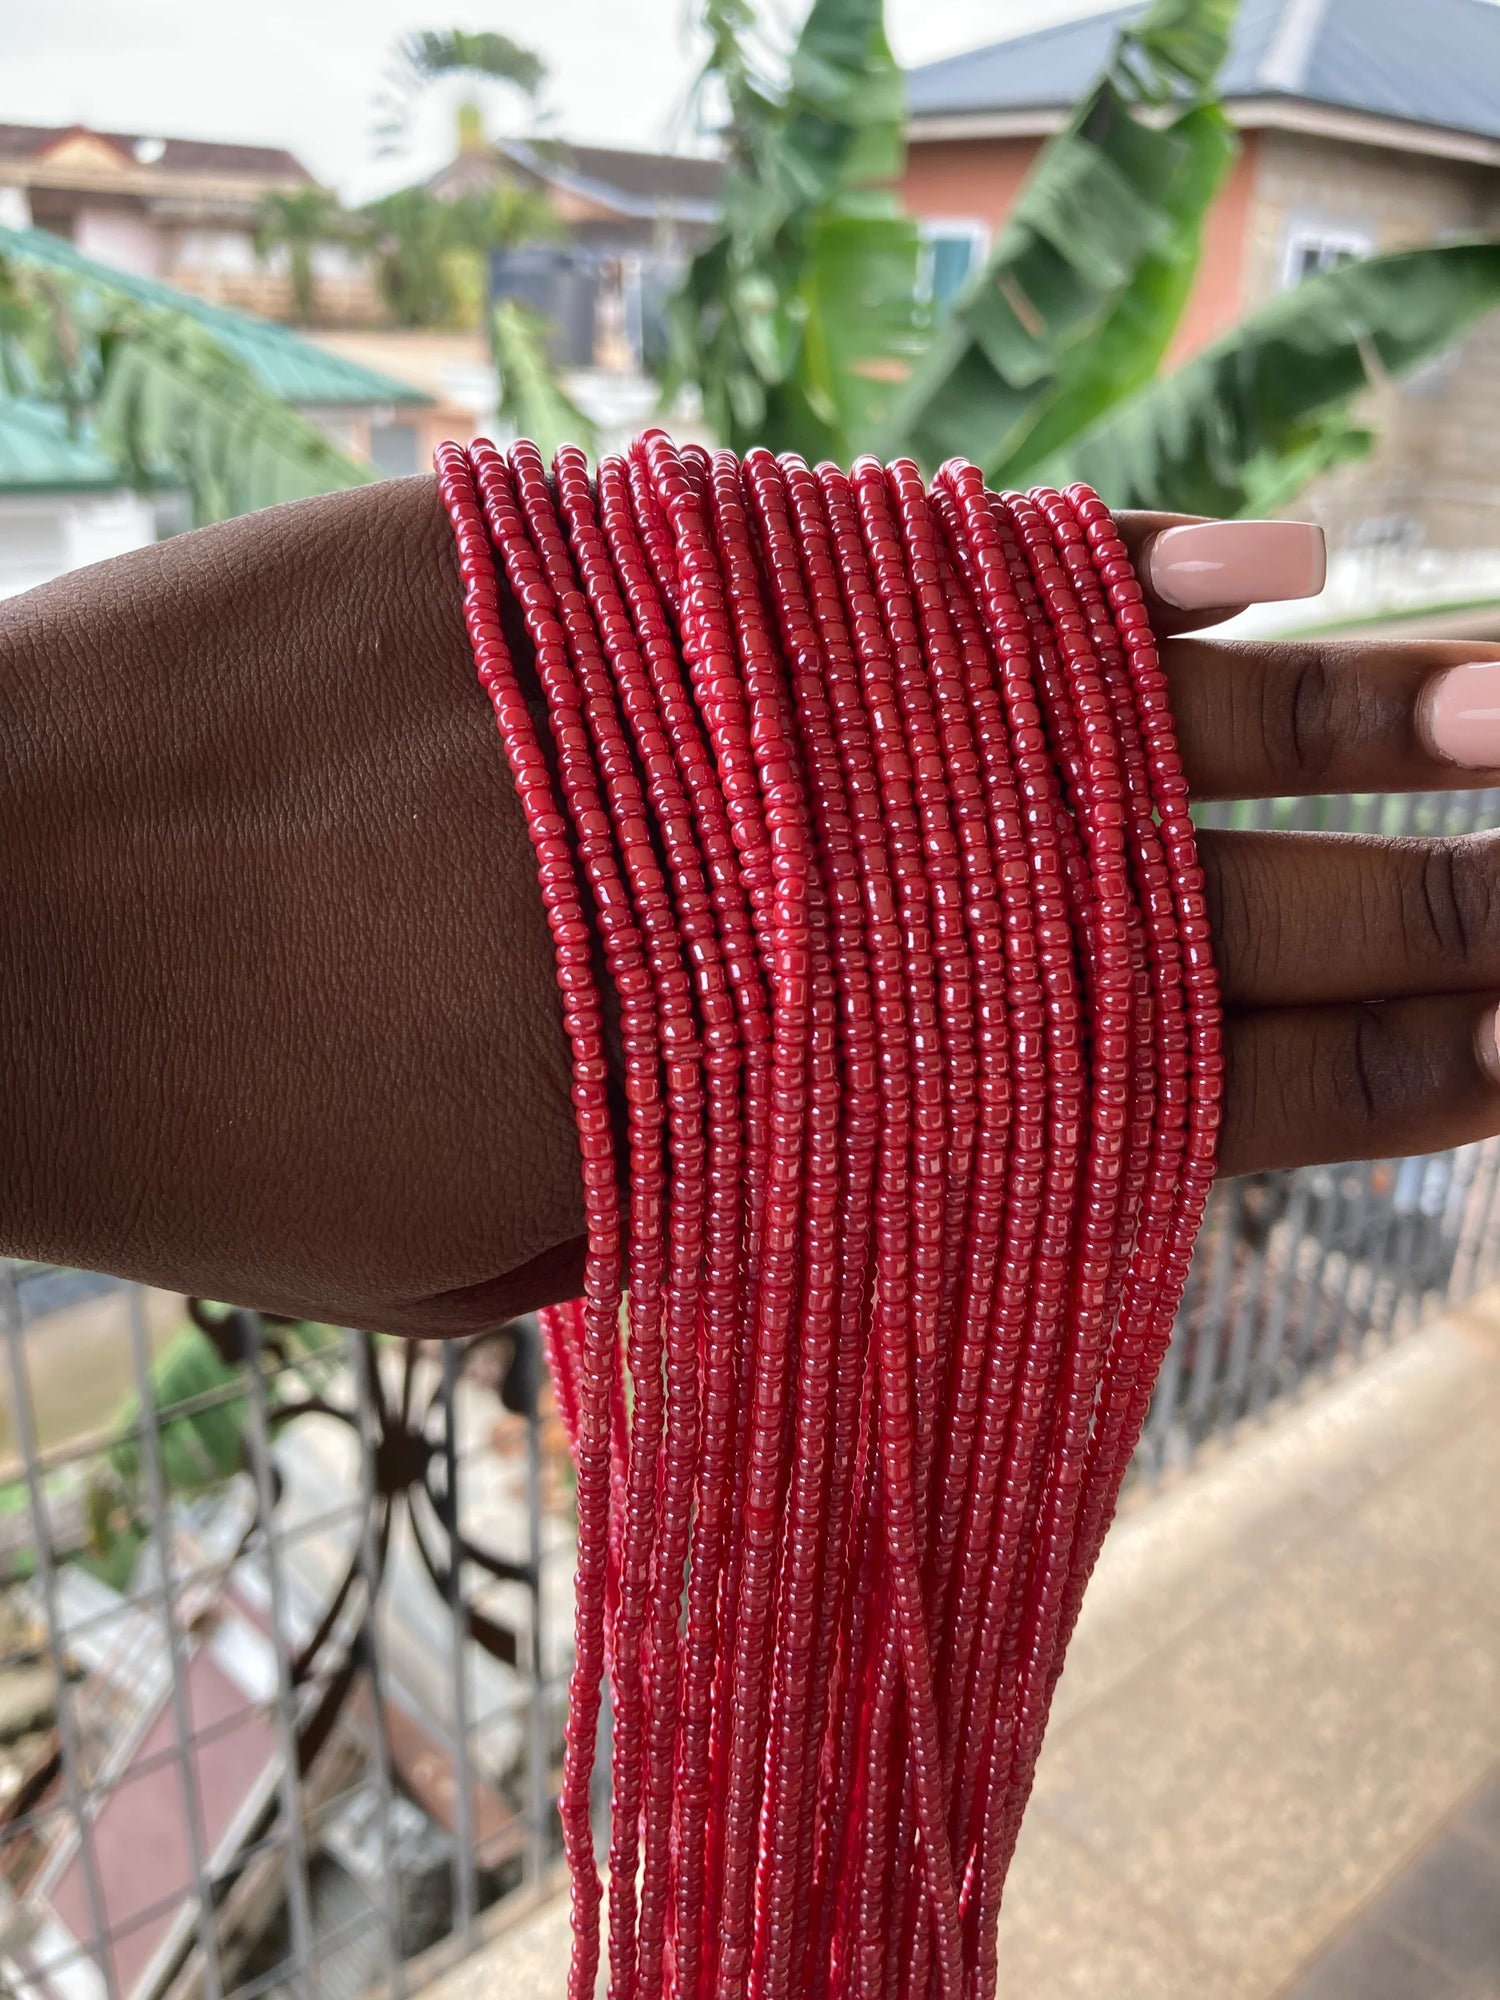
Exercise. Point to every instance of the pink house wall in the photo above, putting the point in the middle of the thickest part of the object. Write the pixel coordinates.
(956, 180)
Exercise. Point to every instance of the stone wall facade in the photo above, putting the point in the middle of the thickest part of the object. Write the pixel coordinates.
(1433, 480)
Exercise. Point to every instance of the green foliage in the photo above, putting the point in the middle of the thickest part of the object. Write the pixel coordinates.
(165, 400)
(802, 317)
(201, 1447)
(487, 53)
(434, 254)
(1244, 425)
(115, 1535)
(298, 221)
(44, 352)
(1077, 302)
(431, 255)
(175, 409)
(532, 400)
(803, 312)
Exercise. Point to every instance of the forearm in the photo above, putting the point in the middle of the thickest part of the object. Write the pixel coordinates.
(267, 893)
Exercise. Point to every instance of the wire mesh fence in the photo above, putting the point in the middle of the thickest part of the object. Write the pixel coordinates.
(285, 1610)
(283, 1646)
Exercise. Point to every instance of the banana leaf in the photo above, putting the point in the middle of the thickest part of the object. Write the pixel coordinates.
(802, 315)
(1080, 296)
(173, 407)
(532, 400)
(860, 332)
(1246, 424)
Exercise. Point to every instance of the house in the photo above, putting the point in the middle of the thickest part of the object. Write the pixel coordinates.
(1365, 125)
(63, 501)
(178, 209)
(632, 220)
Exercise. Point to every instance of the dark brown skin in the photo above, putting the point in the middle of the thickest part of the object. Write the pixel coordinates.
(278, 1022)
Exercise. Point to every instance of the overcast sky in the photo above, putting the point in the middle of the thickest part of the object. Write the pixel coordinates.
(304, 73)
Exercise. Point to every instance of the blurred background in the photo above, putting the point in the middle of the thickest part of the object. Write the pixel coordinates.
(285, 1613)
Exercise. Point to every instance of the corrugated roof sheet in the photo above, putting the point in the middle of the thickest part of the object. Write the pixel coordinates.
(1436, 62)
(1428, 62)
(282, 360)
(642, 185)
(38, 454)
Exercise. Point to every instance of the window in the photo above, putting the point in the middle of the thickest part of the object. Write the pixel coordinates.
(950, 251)
(1312, 248)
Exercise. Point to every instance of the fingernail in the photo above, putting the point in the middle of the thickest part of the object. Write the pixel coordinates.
(1458, 716)
(1214, 565)
(1487, 1045)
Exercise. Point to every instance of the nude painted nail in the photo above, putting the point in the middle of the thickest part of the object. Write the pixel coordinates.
(1458, 716)
(1214, 565)
(1487, 1045)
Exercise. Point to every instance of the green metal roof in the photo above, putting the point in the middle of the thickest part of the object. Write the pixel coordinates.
(285, 363)
(38, 453)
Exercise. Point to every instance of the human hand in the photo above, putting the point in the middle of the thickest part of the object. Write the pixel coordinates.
(278, 1021)
(1359, 974)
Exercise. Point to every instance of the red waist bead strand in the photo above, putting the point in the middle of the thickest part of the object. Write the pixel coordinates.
(898, 524)
(1094, 779)
(738, 1044)
(583, 1023)
(853, 652)
(699, 938)
(888, 857)
(735, 682)
(1023, 1158)
(911, 1255)
(747, 556)
(641, 1048)
(1202, 1062)
(1051, 1267)
(661, 1485)
(827, 1401)
(1164, 1042)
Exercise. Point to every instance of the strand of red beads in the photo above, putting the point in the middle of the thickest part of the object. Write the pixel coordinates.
(862, 799)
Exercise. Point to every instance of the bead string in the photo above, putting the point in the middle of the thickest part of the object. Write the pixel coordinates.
(863, 798)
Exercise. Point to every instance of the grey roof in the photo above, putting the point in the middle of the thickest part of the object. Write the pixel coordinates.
(642, 186)
(1429, 62)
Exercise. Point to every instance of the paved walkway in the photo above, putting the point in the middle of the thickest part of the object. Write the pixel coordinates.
(1434, 1932)
(1268, 1772)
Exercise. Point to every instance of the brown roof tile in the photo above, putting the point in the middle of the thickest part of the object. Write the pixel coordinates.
(208, 156)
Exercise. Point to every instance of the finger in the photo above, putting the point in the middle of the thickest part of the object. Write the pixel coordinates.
(1302, 716)
(1197, 573)
(1302, 919)
(1305, 1085)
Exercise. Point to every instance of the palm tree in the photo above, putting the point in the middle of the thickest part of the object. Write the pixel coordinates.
(410, 235)
(299, 221)
(431, 252)
(420, 60)
(434, 253)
